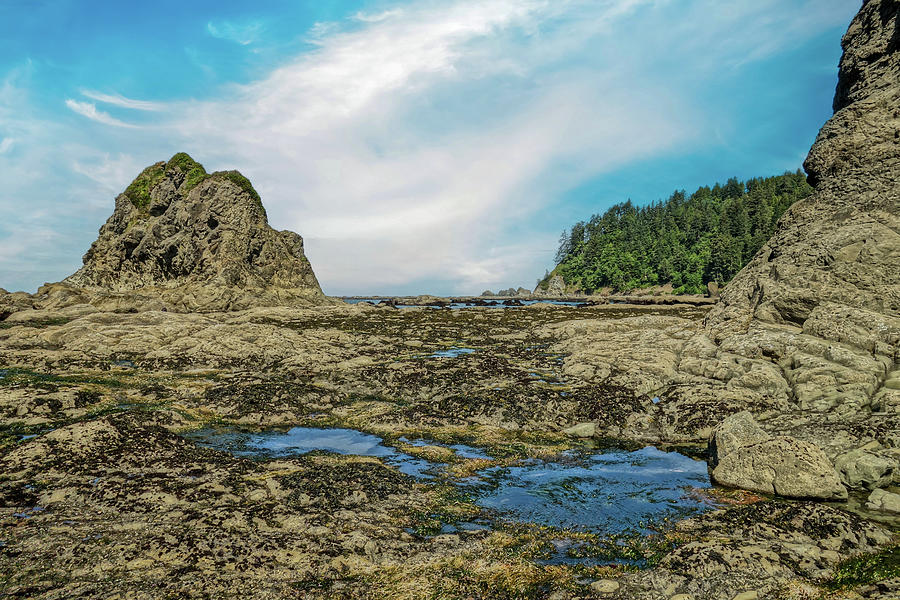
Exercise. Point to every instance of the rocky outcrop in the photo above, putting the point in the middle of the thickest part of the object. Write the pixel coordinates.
(742, 455)
(182, 239)
(783, 466)
(555, 286)
(822, 298)
(832, 268)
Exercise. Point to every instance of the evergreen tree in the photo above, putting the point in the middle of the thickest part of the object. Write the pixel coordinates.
(686, 240)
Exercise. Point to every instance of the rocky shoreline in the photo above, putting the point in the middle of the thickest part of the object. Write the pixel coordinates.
(108, 393)
(439, 301)
(191, 313)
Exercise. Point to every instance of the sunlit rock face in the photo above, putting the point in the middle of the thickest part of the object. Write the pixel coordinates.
(833, 266)
(196, 241)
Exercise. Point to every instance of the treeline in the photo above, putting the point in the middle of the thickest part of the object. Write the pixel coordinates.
(687, 241)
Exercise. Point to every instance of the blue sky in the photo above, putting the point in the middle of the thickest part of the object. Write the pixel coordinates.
(419, 146)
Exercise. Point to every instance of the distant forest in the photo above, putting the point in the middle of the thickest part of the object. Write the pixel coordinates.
(687, 241)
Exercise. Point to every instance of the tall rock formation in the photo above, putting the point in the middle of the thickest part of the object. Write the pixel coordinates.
(822, 297)
(833, 266)
(192, 241)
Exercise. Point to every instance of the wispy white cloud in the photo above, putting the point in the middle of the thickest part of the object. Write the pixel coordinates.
(240, 33)
(89, 110)
(388, 192)
(109, 172)
(6, 144)
(122, 101)
(377, 17)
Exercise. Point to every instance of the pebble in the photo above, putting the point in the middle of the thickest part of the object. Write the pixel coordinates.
(605, 586)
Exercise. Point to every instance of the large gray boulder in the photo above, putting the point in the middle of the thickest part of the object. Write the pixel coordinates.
(783, 466)
(862, 469)
(884, 501)
(735, 432)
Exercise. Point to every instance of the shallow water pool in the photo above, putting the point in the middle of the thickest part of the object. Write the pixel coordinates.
(302, 440)
(452, 352)
(611, 491)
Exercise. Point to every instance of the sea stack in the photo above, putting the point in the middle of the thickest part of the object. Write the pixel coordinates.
(192, 241)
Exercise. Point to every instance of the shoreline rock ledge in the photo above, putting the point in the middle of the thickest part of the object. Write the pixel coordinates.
(184, 240)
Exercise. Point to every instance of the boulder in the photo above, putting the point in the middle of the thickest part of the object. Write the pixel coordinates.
(735, 432)
(783, 466)
(582, 430)
(712, 289)
(556, 286)
(885, 501)
(863, 469)
(604, 586)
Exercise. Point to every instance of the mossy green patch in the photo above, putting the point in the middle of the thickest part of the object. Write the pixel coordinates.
(15, 377)
(139, 189)
(37, 323)
(448, 505)
(866, 568)
(242, 182)
(183, 162)
(635, 547)
(194, 171)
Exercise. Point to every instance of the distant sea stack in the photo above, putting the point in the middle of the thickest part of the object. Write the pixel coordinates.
(832, 267)
(187, 240)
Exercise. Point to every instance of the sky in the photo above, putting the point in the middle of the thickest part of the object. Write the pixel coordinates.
(418, 147)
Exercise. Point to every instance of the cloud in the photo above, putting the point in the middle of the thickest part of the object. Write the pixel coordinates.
(347, 148)
(376, 17)
(89, 110)
(240, 33)
(6, 144)
(122, 101)
(110, 173)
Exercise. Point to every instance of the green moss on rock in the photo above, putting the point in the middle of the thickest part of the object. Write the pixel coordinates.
(139, 189)
(194, 171)
(866, 568)
(241, 181)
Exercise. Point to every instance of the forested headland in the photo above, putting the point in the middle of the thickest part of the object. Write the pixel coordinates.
(685, 241)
